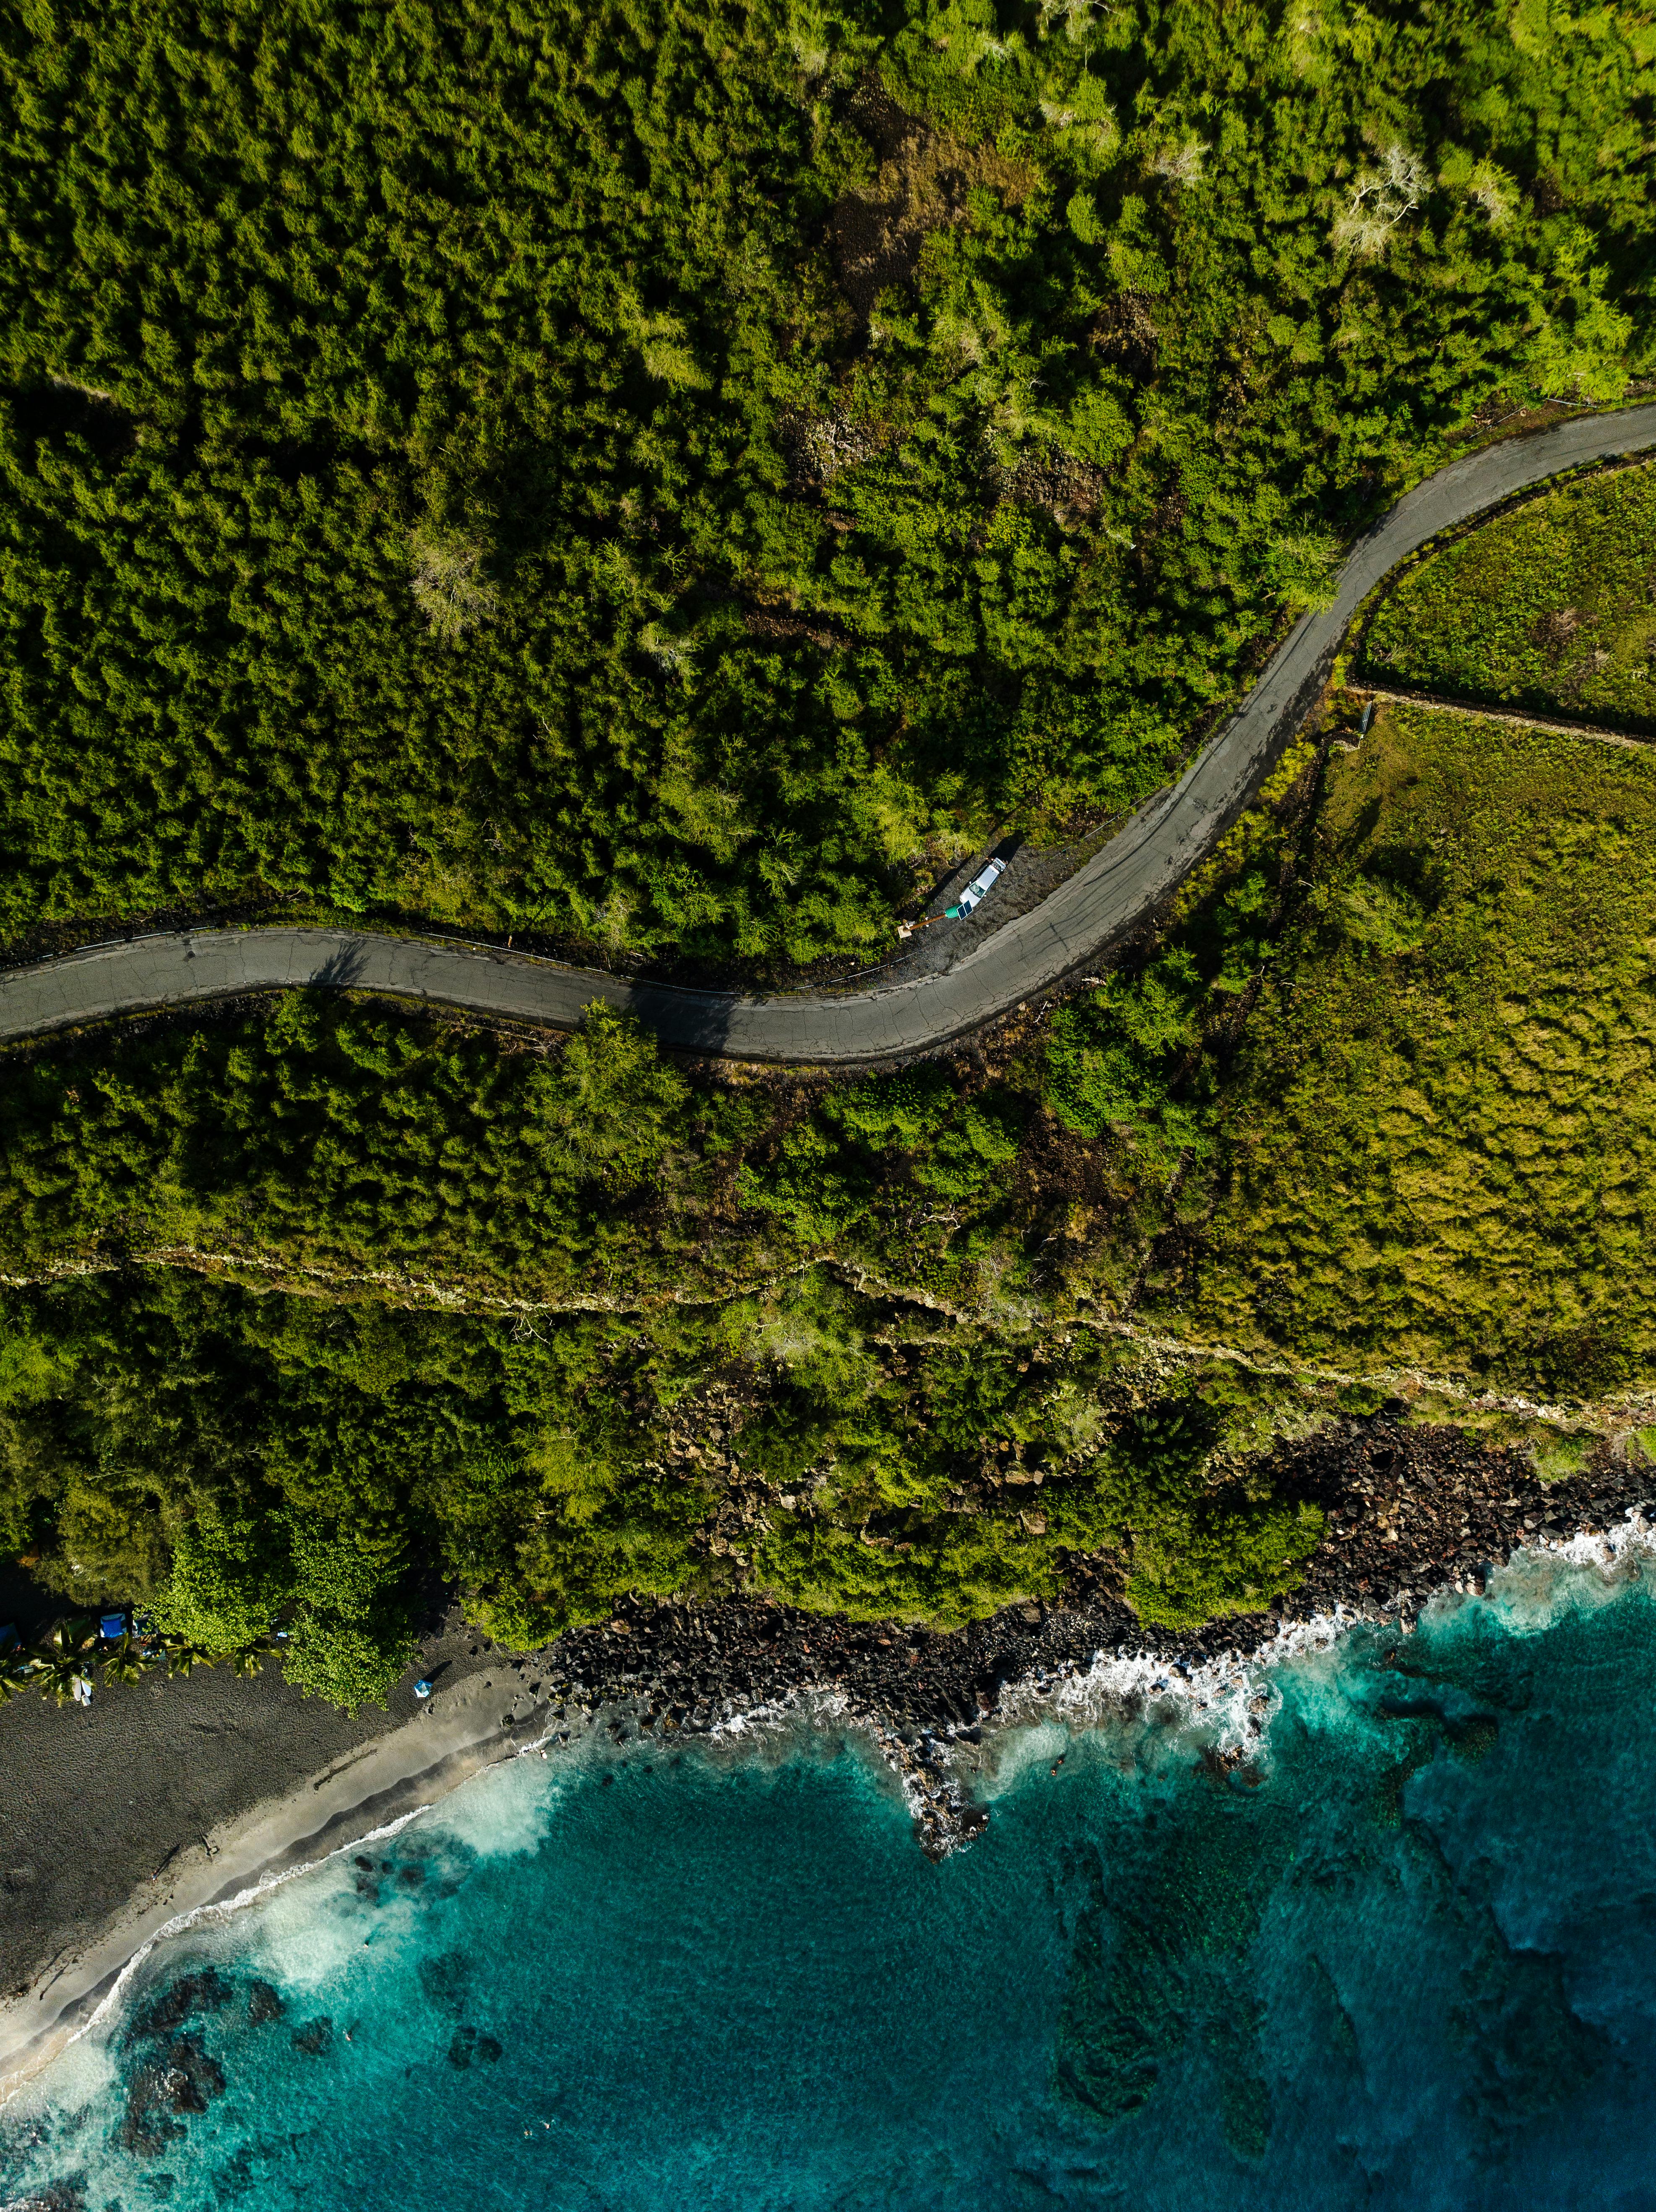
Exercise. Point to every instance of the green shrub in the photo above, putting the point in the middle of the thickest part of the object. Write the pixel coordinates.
(226, 1585)
(1561, 1457)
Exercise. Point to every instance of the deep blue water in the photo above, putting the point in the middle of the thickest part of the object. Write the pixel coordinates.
(1406, 1958)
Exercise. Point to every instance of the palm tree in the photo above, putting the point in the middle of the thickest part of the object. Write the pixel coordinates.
(59, 1661)
(125, 1663)
(180, 1657)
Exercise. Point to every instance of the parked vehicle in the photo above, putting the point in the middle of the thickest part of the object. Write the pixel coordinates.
(976, 891)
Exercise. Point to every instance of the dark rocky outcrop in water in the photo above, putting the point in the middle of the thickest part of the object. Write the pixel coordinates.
(179, 2079)
(181, 2000)
(468, 2048)
(171, 2076)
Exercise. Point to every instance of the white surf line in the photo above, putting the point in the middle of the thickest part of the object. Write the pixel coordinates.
(1228, 1694)
(432, 1755)
(1231, 1691)
(180, 1924)
(1605, 1548)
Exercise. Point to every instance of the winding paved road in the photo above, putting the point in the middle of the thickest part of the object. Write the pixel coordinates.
(1139, 866)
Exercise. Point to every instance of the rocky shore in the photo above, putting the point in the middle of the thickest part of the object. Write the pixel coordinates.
(1409, 1511)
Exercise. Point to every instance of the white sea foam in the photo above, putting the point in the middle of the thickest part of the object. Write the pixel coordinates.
(200, 1916)
(808, 1708)
(503, 1813)
(1225, 1702)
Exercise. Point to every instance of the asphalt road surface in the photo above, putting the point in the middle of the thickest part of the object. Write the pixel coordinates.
(1099, 905)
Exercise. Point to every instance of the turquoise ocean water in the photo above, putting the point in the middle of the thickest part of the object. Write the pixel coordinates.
(1406, 1955)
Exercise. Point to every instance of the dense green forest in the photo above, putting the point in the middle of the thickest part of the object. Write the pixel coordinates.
(317, 1300)
(236, 1460)
(674, 478)
(1553, 606)
(673, 475)
(323, 1139)
(564, 1321)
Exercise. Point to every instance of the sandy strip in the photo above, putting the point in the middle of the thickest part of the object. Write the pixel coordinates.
(384, 1780)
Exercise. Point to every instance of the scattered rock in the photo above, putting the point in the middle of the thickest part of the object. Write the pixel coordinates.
(1409, 1512)
(180, 2000)
(469, 2046)
(446, 1980)
(180, 2079)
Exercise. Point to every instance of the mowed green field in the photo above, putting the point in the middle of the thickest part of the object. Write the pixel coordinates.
(1440, 1139)
(1552, 607)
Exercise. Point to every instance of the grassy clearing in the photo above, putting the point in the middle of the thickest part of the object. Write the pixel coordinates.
(1554, 605)
(1438, 1144)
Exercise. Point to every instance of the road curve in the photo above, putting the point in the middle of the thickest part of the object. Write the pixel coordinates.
(1114, 890)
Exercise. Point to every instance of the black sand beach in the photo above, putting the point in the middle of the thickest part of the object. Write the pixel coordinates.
(100, 1803)
(108, 1810)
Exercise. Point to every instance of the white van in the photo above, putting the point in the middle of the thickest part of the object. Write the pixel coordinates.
(976, 891)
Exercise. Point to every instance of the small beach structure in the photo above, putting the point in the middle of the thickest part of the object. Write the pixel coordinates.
(976, 891)
(111, 1627)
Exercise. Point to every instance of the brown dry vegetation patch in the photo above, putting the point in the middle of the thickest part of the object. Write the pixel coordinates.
(1124, 332)
(1554, 631)
(876, 236)
(761, 622)
(1070, 490)
(1057, 1170)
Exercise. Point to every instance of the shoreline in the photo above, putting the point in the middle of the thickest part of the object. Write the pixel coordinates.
(1411, 1513)
(391, 1779)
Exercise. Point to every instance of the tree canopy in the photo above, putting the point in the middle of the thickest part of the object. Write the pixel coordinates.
(672, 474)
